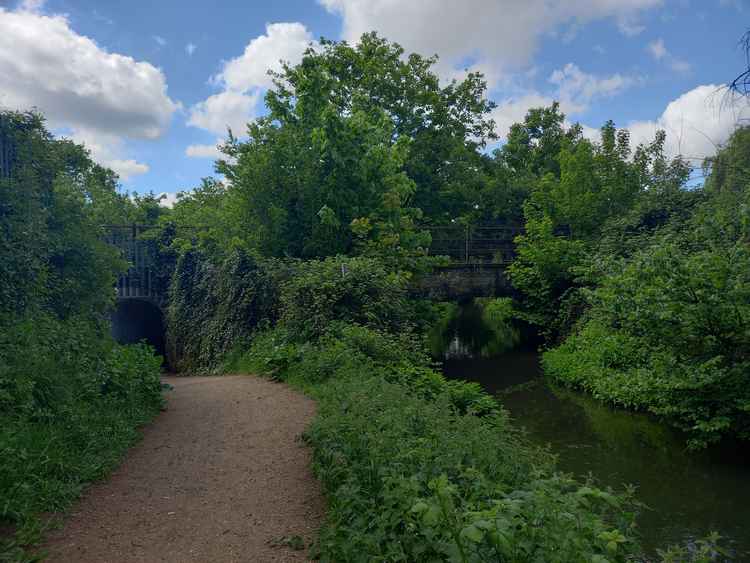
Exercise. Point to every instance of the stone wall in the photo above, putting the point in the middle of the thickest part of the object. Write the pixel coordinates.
(463, 281)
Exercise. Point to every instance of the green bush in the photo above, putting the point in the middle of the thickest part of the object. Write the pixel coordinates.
(412, 480)
(214, 309)
(354, 349)
(668, 333)
(357, 290)
(71, 401)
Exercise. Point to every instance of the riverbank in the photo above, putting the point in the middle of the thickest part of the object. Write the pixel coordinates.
(418, 468)
(621, 447)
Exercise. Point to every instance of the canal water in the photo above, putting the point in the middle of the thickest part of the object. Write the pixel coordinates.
(688, 494)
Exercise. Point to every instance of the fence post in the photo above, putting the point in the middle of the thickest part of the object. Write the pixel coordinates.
(466, 238)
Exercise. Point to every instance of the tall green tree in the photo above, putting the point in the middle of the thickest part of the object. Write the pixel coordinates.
(357, 134)
(53, 199)
(591, 195)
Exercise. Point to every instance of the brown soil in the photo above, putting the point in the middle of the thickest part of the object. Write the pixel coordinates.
(220, 476)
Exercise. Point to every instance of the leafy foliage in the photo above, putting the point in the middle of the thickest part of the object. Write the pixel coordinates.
(70, 403)
(668, 333)
(420, 468)
(416, 467)
(70, 398)
(215, 308)
(667, 322)
(359, 290)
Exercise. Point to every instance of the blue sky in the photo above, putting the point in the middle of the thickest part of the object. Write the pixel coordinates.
(151, 86)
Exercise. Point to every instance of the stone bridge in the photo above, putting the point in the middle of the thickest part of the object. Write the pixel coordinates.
(139, 281)
(138, 314)
(479, 256)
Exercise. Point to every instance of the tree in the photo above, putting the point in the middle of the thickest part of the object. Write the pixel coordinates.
(741, 83)
(52, 254)
(582, 210)
(532, 152)
(667, 293)
(356, 134)
(533, 147)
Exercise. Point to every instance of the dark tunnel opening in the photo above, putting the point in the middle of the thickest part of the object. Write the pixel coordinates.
(134, 320)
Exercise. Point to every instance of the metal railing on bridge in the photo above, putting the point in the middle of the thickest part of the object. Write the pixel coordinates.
(485, 244)
(138, 282)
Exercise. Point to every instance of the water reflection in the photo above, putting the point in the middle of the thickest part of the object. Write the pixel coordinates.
(478, 329)
(689, 494)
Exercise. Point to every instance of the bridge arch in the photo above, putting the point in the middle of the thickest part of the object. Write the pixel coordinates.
(135, 320)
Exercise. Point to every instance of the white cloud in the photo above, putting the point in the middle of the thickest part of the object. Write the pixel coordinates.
(657, 49)
(282, 41)
(696, 122)
(577, 89)
(126, 169)
(660, 52)
(190, 48)
(106, 150)
(101, 97)
(227, 109)
(591, 133)
(205, 151)
(513, 110)
(168, 199)
(160, 40)
(629, 26)
(243, 81)
(500, 34)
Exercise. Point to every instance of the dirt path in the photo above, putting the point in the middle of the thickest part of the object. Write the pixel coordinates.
(220, 476)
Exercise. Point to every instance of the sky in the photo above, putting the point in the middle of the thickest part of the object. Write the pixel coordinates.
(150, 87)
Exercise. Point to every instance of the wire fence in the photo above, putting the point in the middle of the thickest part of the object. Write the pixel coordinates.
(138, 282)
(489, 244)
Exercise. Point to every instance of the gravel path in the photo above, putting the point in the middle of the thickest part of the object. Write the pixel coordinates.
(221, 475)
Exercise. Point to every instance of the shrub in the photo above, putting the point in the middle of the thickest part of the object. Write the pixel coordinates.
(668, 334)
(71, 401)
(356, 350)
(214, 308)
(410, 478)
(356, 290)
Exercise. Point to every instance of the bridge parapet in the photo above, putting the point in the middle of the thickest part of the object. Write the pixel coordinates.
(479, 256)
(139, 281)
(484, 243)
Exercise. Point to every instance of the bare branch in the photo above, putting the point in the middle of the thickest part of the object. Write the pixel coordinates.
(741, 84)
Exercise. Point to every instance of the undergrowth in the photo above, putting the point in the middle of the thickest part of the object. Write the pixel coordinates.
(71, 402)
(419, 468)
(416, 467)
